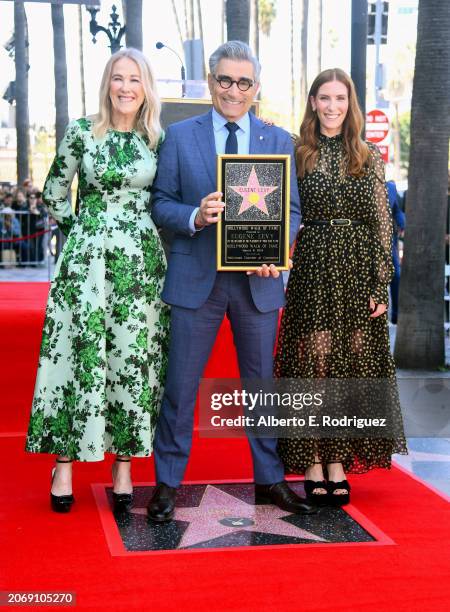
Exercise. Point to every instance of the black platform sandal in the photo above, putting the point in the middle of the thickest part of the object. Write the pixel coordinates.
(338, 499)
(61, 503)
(318, 499)
(122, 502)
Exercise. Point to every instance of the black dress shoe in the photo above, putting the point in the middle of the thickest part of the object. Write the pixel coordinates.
(282, 496)
(162, 504)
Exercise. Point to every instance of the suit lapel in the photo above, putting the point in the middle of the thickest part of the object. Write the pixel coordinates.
(258, 136)
(204, 136)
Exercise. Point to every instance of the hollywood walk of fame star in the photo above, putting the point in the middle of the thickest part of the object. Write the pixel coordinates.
(220, 514)
(253, 193)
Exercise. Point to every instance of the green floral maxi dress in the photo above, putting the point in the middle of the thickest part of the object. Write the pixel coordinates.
(105, 339)
(325, 330)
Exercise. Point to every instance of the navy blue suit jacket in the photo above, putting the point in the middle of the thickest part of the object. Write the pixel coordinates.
(187, 172)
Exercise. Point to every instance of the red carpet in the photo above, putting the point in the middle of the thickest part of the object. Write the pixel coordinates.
(44, 551)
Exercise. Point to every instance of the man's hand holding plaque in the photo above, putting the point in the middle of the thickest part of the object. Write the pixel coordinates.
(210, 207)
(253, 230)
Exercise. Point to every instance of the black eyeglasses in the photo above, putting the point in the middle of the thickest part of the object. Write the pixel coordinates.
(226, 82)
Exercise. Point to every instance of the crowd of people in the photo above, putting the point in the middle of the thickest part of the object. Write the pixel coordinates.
(23, 219)
(127, 335)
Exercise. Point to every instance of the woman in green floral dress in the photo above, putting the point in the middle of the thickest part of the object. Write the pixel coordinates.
(104, 346)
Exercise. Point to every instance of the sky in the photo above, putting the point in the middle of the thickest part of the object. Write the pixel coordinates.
(159, 24)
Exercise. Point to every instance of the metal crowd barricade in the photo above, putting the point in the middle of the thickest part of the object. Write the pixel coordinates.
(27, 240)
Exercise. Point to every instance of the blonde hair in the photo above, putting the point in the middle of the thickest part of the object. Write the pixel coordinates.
(147, 117)
(357, 154)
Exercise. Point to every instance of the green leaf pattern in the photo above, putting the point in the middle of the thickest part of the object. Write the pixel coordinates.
(104, 346)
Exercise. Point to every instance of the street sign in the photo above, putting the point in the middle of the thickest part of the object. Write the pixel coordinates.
(377, 125)
(384, 150)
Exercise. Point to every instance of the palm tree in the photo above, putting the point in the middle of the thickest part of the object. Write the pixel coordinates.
(21, 91)
(186, 20)
(60, 70)
(303, 24)
(420, 333)
(177, 21)
(254, 25)
(263, 13)
(238, 20)
(304, 53)
(399, 88)
(267, 11)
(133, 20)
(200, 28)
(224, 11)
(293, 81)
(191, 20)
(319, 35)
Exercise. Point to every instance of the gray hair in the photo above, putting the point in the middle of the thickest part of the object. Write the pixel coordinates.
(234, 50)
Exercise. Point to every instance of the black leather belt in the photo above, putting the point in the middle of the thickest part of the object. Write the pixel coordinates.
(335, 222)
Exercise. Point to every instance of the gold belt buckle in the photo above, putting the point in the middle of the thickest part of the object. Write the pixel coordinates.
(340, 222)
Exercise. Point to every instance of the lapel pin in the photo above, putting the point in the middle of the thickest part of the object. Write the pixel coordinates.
(261, 137)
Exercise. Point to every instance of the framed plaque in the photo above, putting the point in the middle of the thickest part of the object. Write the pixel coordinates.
(253, 229)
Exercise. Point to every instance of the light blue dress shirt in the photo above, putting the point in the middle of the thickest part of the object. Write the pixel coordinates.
(220, 139)
(221, 133)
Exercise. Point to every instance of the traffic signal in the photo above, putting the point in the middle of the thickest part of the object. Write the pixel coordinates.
(371, 16)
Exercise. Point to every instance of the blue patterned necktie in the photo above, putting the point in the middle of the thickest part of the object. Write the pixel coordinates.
(231, 146)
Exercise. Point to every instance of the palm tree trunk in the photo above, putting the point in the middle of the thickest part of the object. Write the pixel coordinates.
(80, 44)
(177, 21)
(319, 35)
(238, 20)
(186, 20)
(304, 53)
(191, 20)
(254, 16)
(420, 333)
(293, 113)
(133, 22)
(60, 70)
(200, 27)
(224, 19)
(21, 92)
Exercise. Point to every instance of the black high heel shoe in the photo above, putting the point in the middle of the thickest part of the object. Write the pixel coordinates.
(338, 499)
(318, 499)
(122, 502)
(61, 503)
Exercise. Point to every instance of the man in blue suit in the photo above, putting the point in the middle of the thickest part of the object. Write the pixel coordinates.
(185, 201)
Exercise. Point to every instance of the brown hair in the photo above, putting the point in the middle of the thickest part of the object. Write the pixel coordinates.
(357, 154)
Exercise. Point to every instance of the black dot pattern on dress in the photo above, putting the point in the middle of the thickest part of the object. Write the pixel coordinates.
(325, 329)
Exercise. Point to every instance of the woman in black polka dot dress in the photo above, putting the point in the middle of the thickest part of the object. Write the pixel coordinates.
(334, 324)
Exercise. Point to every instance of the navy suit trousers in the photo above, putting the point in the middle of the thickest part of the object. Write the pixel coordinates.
(193, 332)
